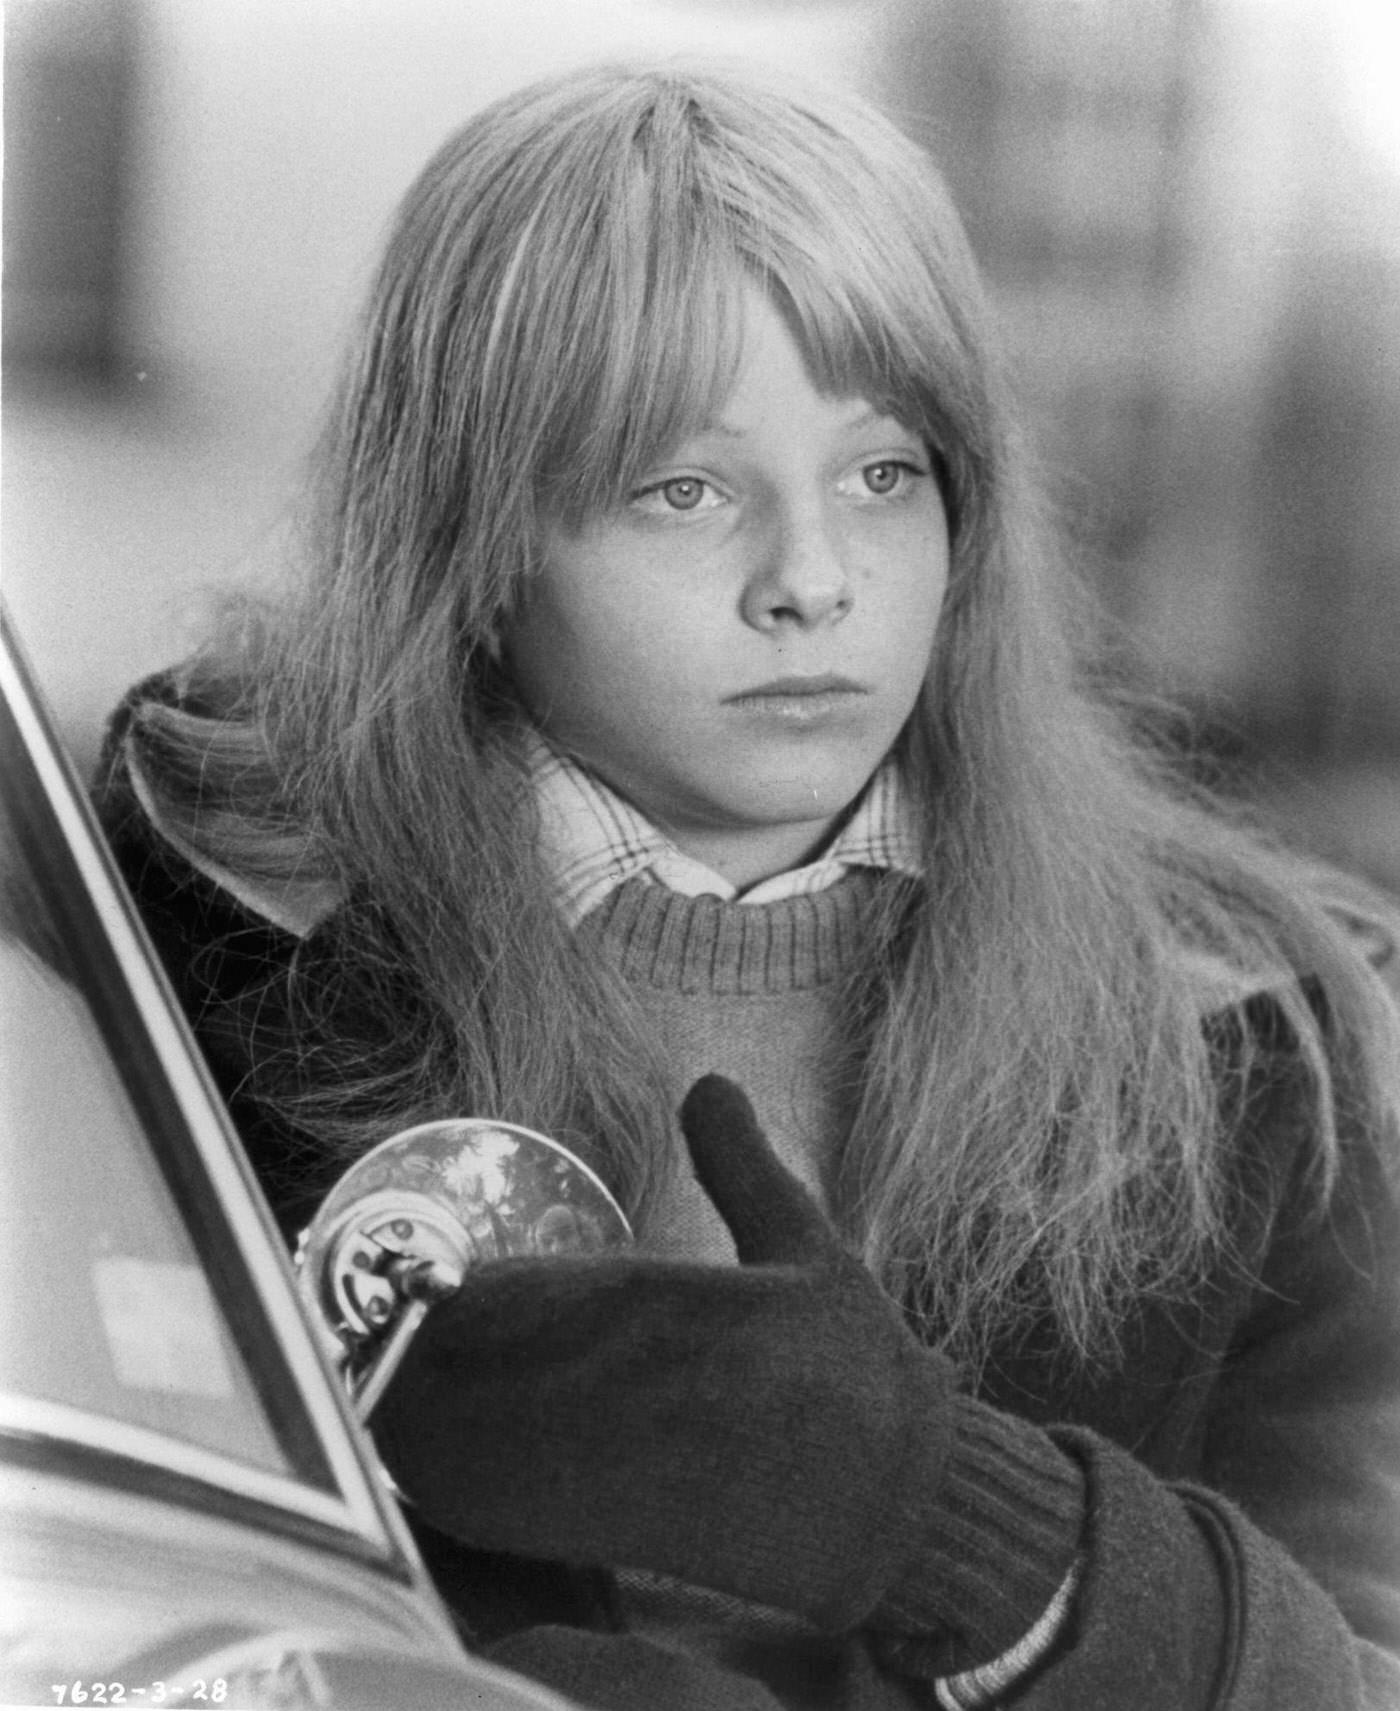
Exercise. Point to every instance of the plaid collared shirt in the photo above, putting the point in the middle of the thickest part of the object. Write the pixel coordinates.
(594, 841)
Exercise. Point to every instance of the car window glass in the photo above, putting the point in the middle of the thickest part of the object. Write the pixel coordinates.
(115, 1313)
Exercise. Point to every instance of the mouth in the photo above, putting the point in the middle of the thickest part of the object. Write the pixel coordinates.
(799, 699)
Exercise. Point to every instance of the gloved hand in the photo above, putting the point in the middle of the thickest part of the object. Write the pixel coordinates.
(772, 1429)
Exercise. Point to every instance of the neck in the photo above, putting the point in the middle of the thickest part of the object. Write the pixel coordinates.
(748, 855)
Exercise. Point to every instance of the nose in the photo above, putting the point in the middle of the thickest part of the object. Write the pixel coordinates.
(800, 577)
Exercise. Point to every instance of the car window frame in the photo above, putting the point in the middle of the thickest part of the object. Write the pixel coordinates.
(351, 1510)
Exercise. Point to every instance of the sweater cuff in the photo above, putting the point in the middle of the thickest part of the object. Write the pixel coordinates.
(999, 1544)
(987, 1683)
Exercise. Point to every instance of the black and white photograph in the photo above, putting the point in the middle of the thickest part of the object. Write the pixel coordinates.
(701, 864)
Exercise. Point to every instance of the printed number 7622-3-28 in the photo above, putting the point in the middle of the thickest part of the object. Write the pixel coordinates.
(115, 1692)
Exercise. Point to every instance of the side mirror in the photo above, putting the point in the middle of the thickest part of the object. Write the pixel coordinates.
(404, 1223)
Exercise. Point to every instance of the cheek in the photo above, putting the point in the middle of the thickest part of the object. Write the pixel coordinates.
(607, 632)
(913, 603)
(584, 667)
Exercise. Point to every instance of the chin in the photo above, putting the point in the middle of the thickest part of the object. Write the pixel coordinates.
(793, 800)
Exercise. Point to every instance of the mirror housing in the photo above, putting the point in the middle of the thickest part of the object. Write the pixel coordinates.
(401, 1227)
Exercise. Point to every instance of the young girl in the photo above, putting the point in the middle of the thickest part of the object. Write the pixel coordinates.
(679, 746)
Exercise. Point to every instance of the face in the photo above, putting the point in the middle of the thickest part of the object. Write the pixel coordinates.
(735, 646)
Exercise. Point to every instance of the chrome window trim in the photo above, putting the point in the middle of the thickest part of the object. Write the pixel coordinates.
(359, 1509)
(61, 1423)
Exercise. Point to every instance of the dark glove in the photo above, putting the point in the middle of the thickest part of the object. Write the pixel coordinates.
(772, 1430)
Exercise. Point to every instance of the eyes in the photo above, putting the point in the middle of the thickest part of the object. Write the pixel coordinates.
(889, 475)
(683, 493)
(880, 478)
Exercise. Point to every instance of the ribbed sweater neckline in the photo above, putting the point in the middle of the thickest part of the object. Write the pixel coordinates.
(709, 945)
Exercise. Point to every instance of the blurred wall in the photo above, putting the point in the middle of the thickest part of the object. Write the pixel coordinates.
(1190, 216)
(1188, 211)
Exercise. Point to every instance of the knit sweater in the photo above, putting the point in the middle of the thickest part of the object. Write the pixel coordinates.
(1230, 1478)
(753, 992)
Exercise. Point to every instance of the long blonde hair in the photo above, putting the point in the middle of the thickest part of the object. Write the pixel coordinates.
(1039, 1121)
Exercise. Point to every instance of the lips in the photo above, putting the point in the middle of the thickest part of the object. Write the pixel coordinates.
(799, 688)
(798, 700)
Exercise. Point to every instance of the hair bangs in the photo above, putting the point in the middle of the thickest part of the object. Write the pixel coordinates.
(660, 365)
(710, 190)
(885, 351)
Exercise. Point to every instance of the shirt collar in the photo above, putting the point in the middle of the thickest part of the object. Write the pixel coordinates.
(593, 840)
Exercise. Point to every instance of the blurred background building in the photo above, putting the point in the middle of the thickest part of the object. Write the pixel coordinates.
(1188, 212)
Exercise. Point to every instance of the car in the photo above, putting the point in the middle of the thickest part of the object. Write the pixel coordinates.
(190, 1512)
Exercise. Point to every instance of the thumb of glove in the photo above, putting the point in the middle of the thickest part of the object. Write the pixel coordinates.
(771, 1216)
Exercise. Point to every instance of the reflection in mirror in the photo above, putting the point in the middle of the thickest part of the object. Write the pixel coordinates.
(403, 1224)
